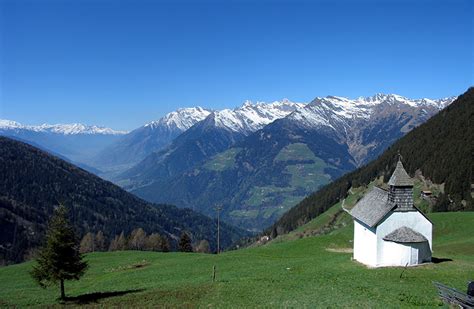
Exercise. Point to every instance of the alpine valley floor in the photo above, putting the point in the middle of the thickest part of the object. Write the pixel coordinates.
(312, 271)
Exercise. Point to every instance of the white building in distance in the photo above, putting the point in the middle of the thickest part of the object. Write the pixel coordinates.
(388, 229)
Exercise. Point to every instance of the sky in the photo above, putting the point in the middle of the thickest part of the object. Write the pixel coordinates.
(121, 64)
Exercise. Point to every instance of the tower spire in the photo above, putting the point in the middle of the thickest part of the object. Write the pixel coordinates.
(401, 188)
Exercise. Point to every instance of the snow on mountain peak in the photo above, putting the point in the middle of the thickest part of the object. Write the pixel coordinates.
(332, 111)
(66, 129)
(9, 124)
(250, 117)
(181, 119)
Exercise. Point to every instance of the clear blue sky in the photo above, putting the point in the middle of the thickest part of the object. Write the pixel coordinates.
(123, 63)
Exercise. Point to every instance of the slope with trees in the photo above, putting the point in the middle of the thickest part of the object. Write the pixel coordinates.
(32, 182)
(441, 148)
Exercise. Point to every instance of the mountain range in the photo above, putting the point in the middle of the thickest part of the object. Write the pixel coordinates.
(77, 142)
(258, 167)
(216, 133)
(256, 160)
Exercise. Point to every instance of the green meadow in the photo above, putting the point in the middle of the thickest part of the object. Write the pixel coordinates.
(312, 271)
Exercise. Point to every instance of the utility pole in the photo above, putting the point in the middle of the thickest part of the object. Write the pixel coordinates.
(218, 208)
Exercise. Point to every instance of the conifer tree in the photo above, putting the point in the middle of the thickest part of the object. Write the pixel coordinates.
(185, 243)
(59, 259)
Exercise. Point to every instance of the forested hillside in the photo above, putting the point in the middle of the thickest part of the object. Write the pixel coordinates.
(442, 149)
(33, 182)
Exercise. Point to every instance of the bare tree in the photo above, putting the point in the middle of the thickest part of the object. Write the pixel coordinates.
(99, 241)
(153, 242)
(203, 247)
(113, 243)
(87, 243)
(137, 239)
(121, 242)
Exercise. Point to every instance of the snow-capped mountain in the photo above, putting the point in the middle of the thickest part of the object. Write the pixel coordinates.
(218, 131)
(251, 117)
(136, 145)
(181, 119)
(67, 129)
(363, 124)
(259, 176)
(332, 111)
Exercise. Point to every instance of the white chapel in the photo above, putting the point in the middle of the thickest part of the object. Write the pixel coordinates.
(388, 229)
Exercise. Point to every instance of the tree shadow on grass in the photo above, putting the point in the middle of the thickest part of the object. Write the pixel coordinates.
(436, 260)
(94, 297)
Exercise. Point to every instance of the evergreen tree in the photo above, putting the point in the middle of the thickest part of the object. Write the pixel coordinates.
(59, 259)
(185, 243)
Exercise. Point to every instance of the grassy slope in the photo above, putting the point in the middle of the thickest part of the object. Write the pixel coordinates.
(305, 165)
(289, 273)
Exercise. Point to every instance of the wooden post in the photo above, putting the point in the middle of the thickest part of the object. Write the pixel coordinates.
(63, 295)
(214, 273)
(218, 209)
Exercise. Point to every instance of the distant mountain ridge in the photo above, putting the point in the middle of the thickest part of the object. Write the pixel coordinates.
(137, 144)
(66, 129)
(77, 142)
(257, 177)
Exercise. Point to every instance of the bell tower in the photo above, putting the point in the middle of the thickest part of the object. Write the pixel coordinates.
(401, 188)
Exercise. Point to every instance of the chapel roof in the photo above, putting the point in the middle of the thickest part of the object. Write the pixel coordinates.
(405, 235)
(400, 177)
(373, 207)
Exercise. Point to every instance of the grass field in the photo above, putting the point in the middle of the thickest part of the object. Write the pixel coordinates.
(223, 161)
(292, 273)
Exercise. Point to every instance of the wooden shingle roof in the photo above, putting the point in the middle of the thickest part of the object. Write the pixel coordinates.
(405, 235)
(400, 178)
(373, 207)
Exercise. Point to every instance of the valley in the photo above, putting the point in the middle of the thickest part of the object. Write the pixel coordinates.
(236, 154)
